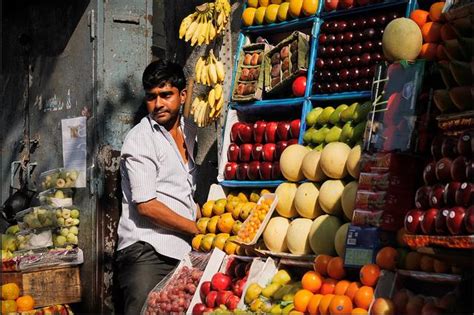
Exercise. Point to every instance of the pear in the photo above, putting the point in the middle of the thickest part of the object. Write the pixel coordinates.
(358, 131)
(219, 206)
(206, 209)
(196, 242)
(335, 116)
(270, 289)
(281, 277)
(348, 113)
(313, 115)
(309, 134)
(207, 241)
(326, 113)
(319, 135)
(347, 132)
(253, 291)
(333, 134)
(220, 240)
(202, 224)
(362, 111)
(212, 224)
(320, 147)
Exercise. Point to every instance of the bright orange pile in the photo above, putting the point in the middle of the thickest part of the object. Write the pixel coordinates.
(12, 301)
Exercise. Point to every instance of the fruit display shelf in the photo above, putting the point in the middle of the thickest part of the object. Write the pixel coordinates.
(386, 4)
(430, 276)
(280, 26)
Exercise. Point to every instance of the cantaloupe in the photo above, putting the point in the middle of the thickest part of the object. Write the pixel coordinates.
(312, 168)
(330, 195)
(348, 199)
(340, 239)
(286, 197)
(306, 201)
(297, 236)
(291, 160)
(274, 235)
(333, 159)
(353, 159)
(402, 40)
(322, 233)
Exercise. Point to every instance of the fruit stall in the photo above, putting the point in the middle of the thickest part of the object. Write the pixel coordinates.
(345, 181)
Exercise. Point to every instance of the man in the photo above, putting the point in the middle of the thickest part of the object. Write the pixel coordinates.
(157, 169)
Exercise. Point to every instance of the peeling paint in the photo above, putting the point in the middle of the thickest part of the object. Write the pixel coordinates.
(54, 103)
(107, 161)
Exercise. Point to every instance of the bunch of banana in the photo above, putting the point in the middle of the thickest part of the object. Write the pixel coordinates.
(205, 23)
(209, 71)
(205, 111)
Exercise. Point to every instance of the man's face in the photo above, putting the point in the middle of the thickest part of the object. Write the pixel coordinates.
(163, 103)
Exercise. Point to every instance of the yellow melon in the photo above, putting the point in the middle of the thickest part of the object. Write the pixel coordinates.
(248, 16)
(295, 8)
(306, 201)
(286, 196)
(274, 235)
(291, 161)
(348, 199)
(297, 236)
(352, 164)
(322, 233)
(402, 40)
(330, 195)
(340, 239)
(312, 168)
(310, 7)
(333, 159)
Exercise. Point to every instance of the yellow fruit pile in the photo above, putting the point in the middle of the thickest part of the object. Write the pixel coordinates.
(12, 302)
(250, 227)
(260, 12)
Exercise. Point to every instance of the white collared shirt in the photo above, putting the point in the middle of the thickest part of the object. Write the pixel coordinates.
(151, 166)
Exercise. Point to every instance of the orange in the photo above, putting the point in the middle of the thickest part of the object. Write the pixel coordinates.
(420, 17)
(364, 297)
(412, 262)
(328, 286)
(312, 281)
(10, 291)
(382, 306)
(301, 300)
(321, 264)
(8, 306)
(324, 304)
(352, 289)
(359, 311)
(313, 304)
(435, 11)
(341, 287)
(431, 32)
(336, 268)
(447, 32)
(427, 263)
(387, 257)
(25, 303)
(369, 274)
(340, 304)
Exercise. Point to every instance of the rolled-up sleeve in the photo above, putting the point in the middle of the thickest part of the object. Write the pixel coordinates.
(141, 170)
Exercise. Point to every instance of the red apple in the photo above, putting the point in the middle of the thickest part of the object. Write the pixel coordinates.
(238, 287)
(268, 152)
(211, 299)
(429, 174)
(245, 133)
(257, 151)
(205, 289)
(448, 147)
(412, 221)
(230, 170)
(280, 146)
(233, 152)
(458, 168)
(253, 172)
(245, 152)
(220, 281)
(347, 4)
(276, 172)
(234, 132)
(455, 220)
(465, 144)
(450, 193)
(199, 309)
(437, 196)
(242, 169)
(295, 126)
(422, 197)
(465, 195)
(283, 130)
(440, 222)
(292, 141)
(436, 147)
(259, 131)
(330, 5)
(428, 221)
(271, 132)
(469, 220)
(266, 169)
(232, 302)
(222, 297)
(299, 86)
(443, 170)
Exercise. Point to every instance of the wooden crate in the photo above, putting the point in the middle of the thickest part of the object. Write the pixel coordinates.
(48, 286)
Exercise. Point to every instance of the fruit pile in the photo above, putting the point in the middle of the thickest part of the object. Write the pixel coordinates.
(348, 51)
(59, 178)
(331, 5)
(56, 197)
(37, 218)
(406, 302)
(255, 149)
(249, 72)
(12, 302)
(68, 221)
(260, 12)
(177, 293)
(344, 123)
(284, 61)
(252, 224)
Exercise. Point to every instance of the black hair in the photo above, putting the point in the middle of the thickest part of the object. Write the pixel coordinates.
(160, 72)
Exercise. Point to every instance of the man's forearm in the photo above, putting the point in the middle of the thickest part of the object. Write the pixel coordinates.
(163, 216)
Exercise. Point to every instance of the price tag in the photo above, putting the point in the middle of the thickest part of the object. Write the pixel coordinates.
(356, 257)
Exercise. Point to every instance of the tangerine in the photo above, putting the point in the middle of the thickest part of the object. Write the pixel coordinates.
(341, 287)
(447, 32)
(352, 289)
(324, 304)
(431, 32)
(8, 306)
(435, 11)
(420, 17)
(412, 262)
(340, 304)
(25, 303)
(387, 257)
(359, 311)
(10, 291)
(301, 300)
(312, 281)
(328, 286)
(364, 297)
(313, 304)
(336, 268)
(369, 274)
(321, 264)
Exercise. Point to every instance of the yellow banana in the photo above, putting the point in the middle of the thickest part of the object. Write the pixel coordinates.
(195, 36)
(218, 91)
(212, 69)
(220, 103)
(220, 71)
(194, 105)
(185, 24)
(202, 31)
(211, 99)
(198, 69)
(191, 30)
(212, 31)
(204, 74)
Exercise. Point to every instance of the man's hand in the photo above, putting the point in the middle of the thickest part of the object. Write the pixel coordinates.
(163, 216)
